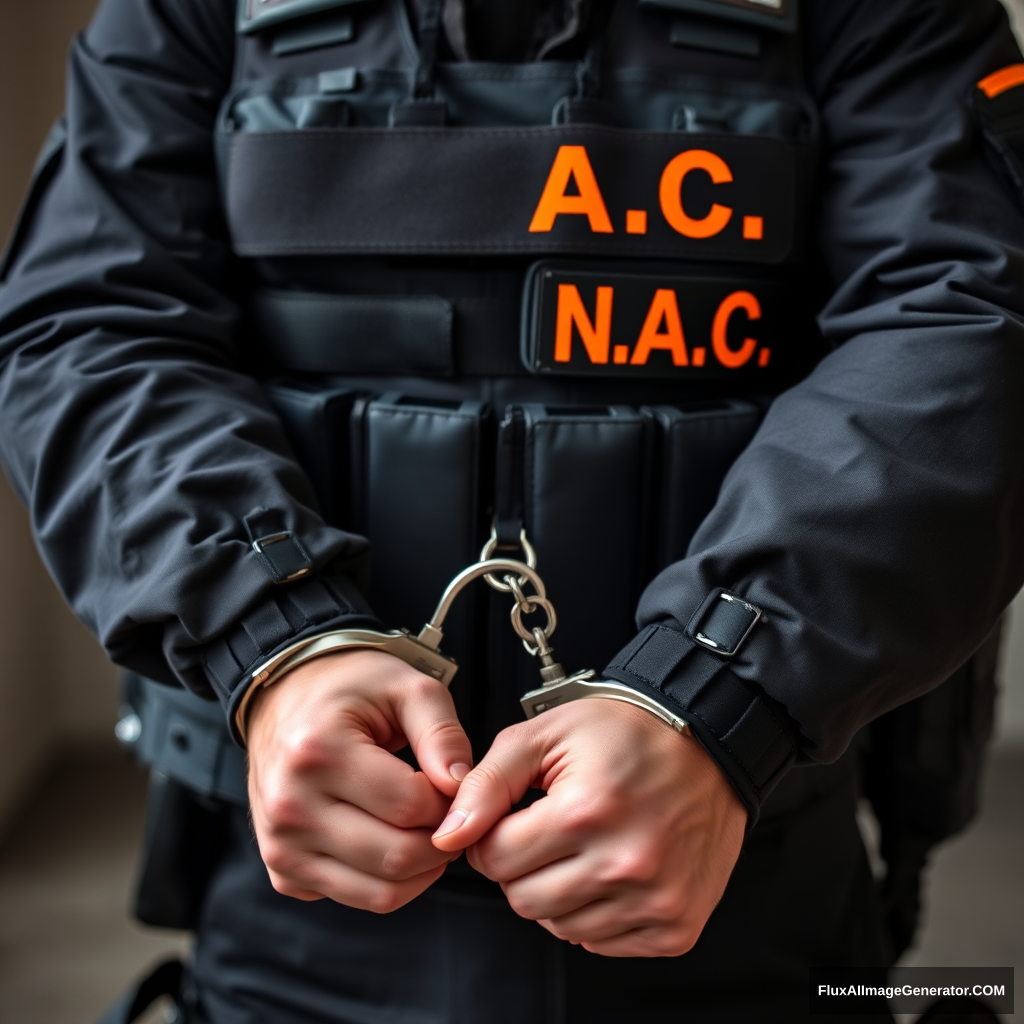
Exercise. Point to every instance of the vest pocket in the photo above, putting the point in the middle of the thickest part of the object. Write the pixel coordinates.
(416, 498)
(587, 474)
(316, 422)
(308, 332)
(698, 443)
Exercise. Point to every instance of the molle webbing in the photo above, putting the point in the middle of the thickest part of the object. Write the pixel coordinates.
(494, 191)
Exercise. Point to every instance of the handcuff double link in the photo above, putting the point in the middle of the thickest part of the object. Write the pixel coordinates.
(422, 652)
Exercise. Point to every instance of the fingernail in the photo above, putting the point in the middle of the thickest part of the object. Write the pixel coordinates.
(451, 823)
(459, 771)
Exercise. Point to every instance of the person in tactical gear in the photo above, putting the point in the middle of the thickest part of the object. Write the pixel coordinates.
(703, 318)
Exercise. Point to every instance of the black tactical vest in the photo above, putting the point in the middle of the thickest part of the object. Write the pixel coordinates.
(550, 299)
(547, 297)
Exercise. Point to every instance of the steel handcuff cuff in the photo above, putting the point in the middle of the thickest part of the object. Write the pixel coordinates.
(423, 652)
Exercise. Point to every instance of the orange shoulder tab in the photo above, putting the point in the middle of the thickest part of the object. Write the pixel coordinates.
(1002, 81)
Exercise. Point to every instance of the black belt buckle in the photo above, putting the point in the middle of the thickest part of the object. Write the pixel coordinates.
(651, 320)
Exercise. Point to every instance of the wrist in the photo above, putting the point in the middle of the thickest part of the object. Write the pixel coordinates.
(403, 646)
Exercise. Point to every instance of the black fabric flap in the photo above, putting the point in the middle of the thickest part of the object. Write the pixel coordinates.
(514, 190)
(777, 15)
(322, 333)
(254, 15)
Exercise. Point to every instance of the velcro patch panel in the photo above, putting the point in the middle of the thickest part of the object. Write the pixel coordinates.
(589, 321)
(545, 190)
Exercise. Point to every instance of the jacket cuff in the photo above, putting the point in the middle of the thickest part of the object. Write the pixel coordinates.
(307, 607)
(749, 735)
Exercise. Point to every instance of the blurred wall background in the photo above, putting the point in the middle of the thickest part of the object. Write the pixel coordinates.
(56, 688)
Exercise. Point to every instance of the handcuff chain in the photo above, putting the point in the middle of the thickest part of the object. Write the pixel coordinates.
(527, 606)
(488, 552)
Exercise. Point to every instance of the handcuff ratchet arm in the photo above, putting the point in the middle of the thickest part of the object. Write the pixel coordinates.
(432, 633)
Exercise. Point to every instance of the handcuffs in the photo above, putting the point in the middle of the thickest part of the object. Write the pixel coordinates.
(422, 652)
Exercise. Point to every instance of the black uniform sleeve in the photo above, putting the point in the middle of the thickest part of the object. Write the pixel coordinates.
(149, 462)
(876, 517)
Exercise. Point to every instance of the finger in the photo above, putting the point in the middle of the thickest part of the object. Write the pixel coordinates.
(361, 840)
(382, 785)
(603, 919)
(556, 890)
(489, 791)
(646, 942)
(426, 714)
(328, 877)
(546, 831)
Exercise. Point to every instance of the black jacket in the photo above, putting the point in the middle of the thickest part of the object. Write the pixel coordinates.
(875, 517)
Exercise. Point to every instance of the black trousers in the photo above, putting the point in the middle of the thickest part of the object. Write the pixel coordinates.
(801, 896)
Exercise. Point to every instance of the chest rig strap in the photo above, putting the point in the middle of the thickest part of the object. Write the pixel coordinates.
(422, 109)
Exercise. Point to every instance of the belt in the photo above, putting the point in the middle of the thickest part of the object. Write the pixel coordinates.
(185, 738)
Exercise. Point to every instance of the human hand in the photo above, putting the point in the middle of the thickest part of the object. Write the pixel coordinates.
(336, 813)
(630, 850)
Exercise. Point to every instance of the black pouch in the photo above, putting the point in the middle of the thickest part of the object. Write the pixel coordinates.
(586, 498)
(316, 421)
(183, 843)
(922, 772)
(416, 475)
(697, 442)
(196, 775)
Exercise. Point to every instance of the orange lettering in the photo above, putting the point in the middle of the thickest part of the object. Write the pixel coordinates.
(734, 358)
(571, 162)
(595, 336)
(664, 307)
(1002, 81)
(671, 193)
(636, 222)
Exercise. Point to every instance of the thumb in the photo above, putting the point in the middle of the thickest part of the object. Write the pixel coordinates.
(427, 716)
(490, 790)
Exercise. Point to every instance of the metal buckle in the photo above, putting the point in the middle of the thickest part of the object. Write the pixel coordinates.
(262, 543)
(275, 538)
(712, 645)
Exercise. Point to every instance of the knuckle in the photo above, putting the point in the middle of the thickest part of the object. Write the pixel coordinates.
(674, 942)
(637, 864)
(445, 733)
(483, 860)
(485, 776)
(590, 812)
(565, 933)
(279, 859)
(522, 905)
(305, 749)
(405, 810)
(282, 811)
(285, 886)
(667, 906)
(400, 861)
(476, 861)
(507, 735)
(419, 686)
(384, 899)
